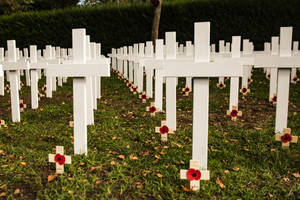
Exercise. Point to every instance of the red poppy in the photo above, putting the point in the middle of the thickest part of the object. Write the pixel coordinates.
(144, 96)
(286, 138)
(129, 85)
(155, 2)
(164, 129)
(221, 85)
(274, 99)
(193, 174)
(249, 80)
(152, 109)
(187, 89)
(244, 90)
(21, 105)
(234, 113)
(134, 89)
(295, 79)
(268, 75)
(60, 159)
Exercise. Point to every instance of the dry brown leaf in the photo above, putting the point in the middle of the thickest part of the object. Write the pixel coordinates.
(121, 157)
(97, 182)
(3, 194)
(23, 163)
(162, 152)
(2, 153)
(236, 169)
(96, 167)
(17, 191)
(226, 171)
(112, 162)
(165, 147)
(297, 175)
(159, 175)
(3, 186)
(286, 179)
(219, 182)
(157, 156)
(132, 157)
(51, 177)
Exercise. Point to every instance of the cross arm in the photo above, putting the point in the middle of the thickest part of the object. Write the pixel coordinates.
(1, 71)
(277, 61)
(15, 65)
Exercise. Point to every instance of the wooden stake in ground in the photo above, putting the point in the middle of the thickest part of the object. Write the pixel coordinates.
(194, 174)
(60, 159)
(152, 109)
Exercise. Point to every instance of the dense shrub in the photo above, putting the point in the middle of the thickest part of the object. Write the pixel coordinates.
(116, 26)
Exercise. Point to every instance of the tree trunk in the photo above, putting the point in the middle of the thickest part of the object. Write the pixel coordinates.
(155, 24)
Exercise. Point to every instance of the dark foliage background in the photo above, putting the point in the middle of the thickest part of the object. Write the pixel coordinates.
(121, 25)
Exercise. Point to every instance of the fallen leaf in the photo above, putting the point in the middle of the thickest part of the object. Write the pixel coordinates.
(3, 186)
(157, 156)
(219, 182)
(97, 182)
(2, 153)
(96, 167)
(297, 175)
(226, 171)
(286, 179)
(112, 162)
(132, 157)
(3, 194)
(159, 175)
(121, 157)
(51, 177)
(236, 169)
(23, 163)
(17, 191)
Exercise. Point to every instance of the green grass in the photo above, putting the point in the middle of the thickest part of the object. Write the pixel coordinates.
(242, 154)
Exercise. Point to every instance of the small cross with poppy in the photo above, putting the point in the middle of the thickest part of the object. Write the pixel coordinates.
(133, 89)
(129, 84)
(234, 113)
(295, 80)
(7, 88)
(194, 174)
(22, 106)
(273, 99)
(186, 90)
(21, 85)
(164, 130)
(144, 97)
(120, 76)
(268, 76)
(221, 85)
(44, 88)
(126, 81)
(244, 90)
(2, 123)
(152, 109)
(60, 159)
(71, 124)
(249, 80)
(155, 3)
(40, 95)
(286, 138)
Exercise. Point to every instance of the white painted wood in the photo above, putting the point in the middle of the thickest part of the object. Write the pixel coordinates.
(34, 89)
(159, 75)
(140, 69)
(273, 71)
(51, 158)
(125, 63)
(14, 96)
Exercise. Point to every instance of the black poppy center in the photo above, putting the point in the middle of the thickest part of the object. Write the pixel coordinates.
(194, 174)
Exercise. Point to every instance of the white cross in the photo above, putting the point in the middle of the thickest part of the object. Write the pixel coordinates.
(80, 69)
(59, 159)
(194, 174)
(13, 66)
(274, 70)
(201, 68)
(2, 77)
(284, 62)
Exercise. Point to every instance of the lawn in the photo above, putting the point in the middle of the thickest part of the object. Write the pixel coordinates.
(126, 158)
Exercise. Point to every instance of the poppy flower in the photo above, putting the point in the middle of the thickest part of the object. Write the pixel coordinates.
(155, 3)
(234, 113)
(268, 76)
(134, 89)
(274, 99)
(152, 109)
(44, 88)
(244, 90)
(249, 80)
(60, 159)
(193, 174)
(164, 129)
(187, 89)
(7, 88)
(286, 138)
(129, 84)
(143, 96)
(22, 105)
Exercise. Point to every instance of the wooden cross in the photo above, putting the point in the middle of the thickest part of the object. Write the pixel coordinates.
(286, 138)
(284, 62)
(2, 123)
(234, 113)
(221, 85)
(187, 90)
(59, 159)
(244, 90)
(144, 97)
(273, 71)
(13, 66)
(201, 68)
(164, 130)
(152, 109)
(134, 89)
(80, 69)
(194, 174)
(22, 106)
(273, 99)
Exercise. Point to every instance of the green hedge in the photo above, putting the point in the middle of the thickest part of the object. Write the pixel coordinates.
(116, 26)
